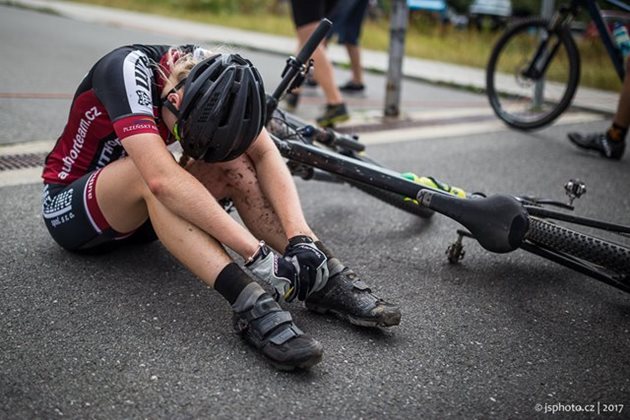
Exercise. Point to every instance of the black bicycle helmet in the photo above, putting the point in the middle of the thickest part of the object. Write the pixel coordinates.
(223, 108)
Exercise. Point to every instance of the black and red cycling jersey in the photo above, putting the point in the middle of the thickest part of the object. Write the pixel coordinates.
(119, 97)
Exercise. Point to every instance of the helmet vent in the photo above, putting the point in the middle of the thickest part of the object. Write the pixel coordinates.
(248, 110)
(215, 75)
(204, 116)
(225, 115)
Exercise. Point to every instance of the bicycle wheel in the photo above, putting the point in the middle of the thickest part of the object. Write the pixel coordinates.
(598, 251)
(526, 102)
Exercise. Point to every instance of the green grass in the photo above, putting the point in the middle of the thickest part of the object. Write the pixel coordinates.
(42, 9)
(424, 39)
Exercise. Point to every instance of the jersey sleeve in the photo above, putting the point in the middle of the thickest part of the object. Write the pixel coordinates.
(122, 81)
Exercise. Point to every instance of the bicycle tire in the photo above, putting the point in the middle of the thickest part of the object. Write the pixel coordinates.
(607, 254)
(501, 101)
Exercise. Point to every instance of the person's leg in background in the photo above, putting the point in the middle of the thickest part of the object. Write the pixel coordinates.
(306, 16)
(349, 31)
(611, 143)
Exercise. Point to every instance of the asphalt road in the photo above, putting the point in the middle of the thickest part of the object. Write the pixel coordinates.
(133, 335)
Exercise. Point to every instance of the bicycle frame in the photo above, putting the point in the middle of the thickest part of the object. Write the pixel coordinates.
(611, 47)
(542, 54)
(499, 223)
(564, 16)
(496, 222)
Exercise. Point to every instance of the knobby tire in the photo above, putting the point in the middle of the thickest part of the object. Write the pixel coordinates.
(598, 251)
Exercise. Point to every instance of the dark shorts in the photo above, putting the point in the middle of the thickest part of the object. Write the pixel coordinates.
(347, 21)
(309, 11)
(75, 221)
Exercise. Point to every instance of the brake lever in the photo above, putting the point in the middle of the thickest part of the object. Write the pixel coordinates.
(301, 75)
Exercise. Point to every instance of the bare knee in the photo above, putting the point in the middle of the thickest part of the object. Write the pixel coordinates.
(239, 174)
(121, 193)
(225, 179)
(136, 183)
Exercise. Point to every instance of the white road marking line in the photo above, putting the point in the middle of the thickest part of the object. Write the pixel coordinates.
(33, 175)
(451, 130)
(20, 177)
(30, 147)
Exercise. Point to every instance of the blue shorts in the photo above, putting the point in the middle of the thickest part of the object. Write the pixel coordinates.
(347, 21)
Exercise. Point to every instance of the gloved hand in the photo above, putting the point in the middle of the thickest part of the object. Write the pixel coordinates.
(310, 264)
(274, 270)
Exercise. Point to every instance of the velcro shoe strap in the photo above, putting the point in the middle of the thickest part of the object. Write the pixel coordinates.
(285, 335)
(248, 297)
(359, 284)
(334, 267)
(261, 308)
(271, 321)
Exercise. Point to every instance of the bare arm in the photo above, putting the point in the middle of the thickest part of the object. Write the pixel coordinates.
(277, 184)
(184, 195)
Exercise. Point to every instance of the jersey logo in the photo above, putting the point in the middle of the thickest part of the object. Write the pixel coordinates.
(78, 141)
(141, 70)
(143, 98)
(138, 79)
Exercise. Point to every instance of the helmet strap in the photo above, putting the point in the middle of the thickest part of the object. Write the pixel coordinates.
(169, 105)
(176, 131)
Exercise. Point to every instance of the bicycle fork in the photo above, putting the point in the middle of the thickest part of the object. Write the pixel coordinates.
(545, 52)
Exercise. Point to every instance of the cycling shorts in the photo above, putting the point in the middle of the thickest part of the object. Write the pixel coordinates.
(75, 221)
(309, 11)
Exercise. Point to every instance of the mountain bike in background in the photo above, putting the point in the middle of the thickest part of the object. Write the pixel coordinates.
(534, 68)
(500, 223)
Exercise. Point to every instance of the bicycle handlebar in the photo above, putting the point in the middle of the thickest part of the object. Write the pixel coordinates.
(314, 40)
(328, 136)
(294, 65)
(332, 138)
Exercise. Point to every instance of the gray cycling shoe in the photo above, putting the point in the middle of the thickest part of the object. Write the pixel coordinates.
(265, 325)
(348, 297)
(600, 143)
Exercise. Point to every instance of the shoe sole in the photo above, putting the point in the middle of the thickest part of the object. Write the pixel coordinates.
(390, 319)
(331, 122)
(593, 150)
(304, 365)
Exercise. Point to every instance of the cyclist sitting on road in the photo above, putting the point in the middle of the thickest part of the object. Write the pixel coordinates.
(612, 143)
(111, 180)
